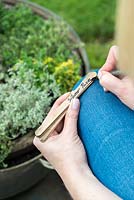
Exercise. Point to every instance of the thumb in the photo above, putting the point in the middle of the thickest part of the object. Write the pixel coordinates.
(70, 124)
(111, 83)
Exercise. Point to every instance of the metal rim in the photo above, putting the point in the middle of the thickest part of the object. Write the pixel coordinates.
(22, 164)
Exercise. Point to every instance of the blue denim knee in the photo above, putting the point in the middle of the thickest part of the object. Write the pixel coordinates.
(106, 128)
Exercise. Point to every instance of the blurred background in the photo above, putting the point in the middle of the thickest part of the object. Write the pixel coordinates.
(94, 21)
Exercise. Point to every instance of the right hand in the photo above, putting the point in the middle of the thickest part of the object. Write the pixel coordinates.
(122, 88)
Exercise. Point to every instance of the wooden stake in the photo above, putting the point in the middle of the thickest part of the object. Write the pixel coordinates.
(50, 123)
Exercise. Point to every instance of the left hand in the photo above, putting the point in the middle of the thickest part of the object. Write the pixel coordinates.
(64, 149)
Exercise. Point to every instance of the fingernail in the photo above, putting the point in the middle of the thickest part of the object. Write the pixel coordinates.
(104, 89)
(75, 104)
(99, 74)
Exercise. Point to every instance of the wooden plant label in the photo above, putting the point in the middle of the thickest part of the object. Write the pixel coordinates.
(50, 122)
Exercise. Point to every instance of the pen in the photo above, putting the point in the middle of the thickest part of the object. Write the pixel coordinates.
(117, 73)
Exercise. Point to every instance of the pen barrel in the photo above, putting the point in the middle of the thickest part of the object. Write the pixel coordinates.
(116, 73)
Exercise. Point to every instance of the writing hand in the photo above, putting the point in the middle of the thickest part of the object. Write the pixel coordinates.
(122, 88)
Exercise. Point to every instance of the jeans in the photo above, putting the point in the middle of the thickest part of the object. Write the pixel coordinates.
(106, 128)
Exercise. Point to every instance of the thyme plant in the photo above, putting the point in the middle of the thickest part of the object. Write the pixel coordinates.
(38, 62)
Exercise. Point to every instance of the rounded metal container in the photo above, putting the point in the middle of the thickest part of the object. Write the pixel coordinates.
(18, 178)
(21, 177)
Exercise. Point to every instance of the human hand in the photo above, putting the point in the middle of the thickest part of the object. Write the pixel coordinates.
(64, 149)
(122, 88)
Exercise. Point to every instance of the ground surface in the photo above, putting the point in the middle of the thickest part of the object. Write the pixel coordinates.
(50, 188)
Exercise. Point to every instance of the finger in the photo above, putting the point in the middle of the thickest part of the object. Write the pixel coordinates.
(53, 134)
(70, 124)
(60, 126)
(111, 60)
(39, 145)
(111, 83)
(58, 102)
(42, 146)
(105, 90)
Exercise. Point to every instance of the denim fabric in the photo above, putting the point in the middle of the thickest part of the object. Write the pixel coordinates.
(106, 128)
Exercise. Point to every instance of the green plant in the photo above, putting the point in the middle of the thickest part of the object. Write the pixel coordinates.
(5, 148)
(29, 35)
(66, 73)
(93, 20)
(37, 64)
(70, 75)
(23, 106)
(98, 52)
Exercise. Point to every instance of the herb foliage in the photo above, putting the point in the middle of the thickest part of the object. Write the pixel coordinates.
(38, 63)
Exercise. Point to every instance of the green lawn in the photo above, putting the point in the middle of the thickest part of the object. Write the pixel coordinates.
(92, 20)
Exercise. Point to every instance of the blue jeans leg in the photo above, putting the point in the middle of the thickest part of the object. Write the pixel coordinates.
(106, 128)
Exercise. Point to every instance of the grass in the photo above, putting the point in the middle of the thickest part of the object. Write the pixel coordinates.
(92, 20)
(97, 52)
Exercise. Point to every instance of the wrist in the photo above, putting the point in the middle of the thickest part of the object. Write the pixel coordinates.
(75, 178)
(82, 184)
(72, 171)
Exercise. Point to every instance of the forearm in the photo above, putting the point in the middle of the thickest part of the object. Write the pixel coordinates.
(83, 185)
